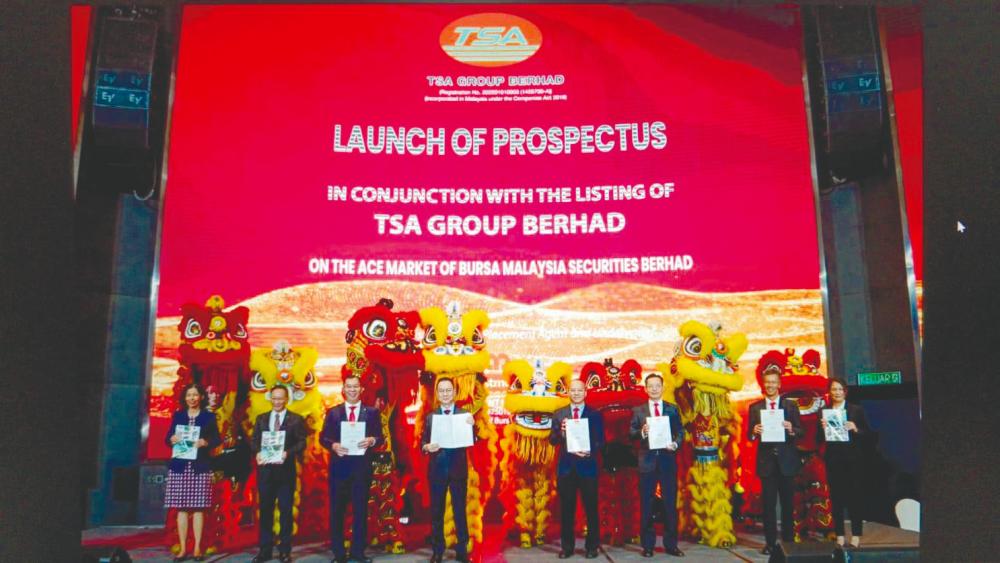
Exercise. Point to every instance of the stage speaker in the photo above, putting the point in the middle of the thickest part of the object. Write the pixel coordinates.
(152, 488)
(123, 76)
(805, 552)
(877, 553)
(847, 89)
(108, 554)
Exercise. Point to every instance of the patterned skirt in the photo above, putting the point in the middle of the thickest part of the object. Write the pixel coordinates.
(188, 490)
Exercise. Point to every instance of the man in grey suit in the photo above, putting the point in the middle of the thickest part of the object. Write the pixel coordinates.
(657, 466)
(777, 462)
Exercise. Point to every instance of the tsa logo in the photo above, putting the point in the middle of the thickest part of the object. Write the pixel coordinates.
(491, 39)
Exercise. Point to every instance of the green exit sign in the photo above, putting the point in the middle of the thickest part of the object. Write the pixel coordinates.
(880, 378)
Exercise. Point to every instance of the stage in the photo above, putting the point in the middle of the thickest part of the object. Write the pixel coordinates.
(149, 544)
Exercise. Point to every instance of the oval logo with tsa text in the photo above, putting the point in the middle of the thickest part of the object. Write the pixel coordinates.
(491, 39)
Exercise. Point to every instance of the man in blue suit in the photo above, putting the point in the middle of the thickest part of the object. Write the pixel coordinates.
(657, 466)
(577, 471)
(447, 470)
(350, 475)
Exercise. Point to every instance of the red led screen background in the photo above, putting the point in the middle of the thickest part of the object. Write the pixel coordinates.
(267, 204)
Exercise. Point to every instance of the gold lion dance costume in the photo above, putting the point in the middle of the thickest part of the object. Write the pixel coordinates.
(214, 352)
(454, 346)
(528, 481)
(702, 373)
(802, 382)
(614, 391)
(293, 368)
(382, 350)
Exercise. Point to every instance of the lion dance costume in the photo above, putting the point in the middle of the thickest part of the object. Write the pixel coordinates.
(214, 353)
(528, 481)
(802, 381)
(614, 391)
(382, 351)
(454, 346)
(701, 374)
(292, 368)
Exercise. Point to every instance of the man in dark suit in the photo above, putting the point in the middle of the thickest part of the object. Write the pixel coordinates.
(657, 466)
(276, 481)
(777, 462)
(577, 471)
(447, 470)
(350, 476)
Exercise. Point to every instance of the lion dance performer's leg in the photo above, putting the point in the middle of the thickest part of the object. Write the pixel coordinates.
(812, 499)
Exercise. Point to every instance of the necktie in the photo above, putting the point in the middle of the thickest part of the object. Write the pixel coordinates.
(656, 409)
(576, 412)
(772, 405)
(351, 416)
(276, 423)
(447, 411)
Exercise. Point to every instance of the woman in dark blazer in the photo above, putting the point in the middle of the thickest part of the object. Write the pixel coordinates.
(843, 463)
(189, 482)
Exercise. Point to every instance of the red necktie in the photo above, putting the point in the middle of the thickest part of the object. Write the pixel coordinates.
(772, 405)
(576, 413)
(656, 409)
(351, 417)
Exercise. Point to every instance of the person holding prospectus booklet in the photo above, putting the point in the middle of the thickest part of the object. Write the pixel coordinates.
(843, 458)
(192, 435)
(279, 436)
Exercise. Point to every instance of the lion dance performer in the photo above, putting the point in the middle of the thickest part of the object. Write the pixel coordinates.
(293, 368)
(528, 481)
(214, 353)
(382, 350)
(801, 381)
(702, 373)
(614, 391)
(454, 346)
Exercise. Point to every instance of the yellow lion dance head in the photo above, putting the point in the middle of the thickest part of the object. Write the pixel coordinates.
(534, 393)
(291, 368)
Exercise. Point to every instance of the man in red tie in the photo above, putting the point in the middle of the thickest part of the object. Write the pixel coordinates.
(350, 468)
(577, 471)
(657, 465)
(777, 462)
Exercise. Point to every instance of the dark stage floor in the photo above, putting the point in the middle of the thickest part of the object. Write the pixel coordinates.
(149, 544)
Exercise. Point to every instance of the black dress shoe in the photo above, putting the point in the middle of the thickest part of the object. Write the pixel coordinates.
(339, 560)
(285, 557)
(180, 558)
(647, 553)
(766, 550)
(565, 554)
(437, 558)
(359, 560)
(674, 551)
(261, 557)
(591, 554)
(462, 558)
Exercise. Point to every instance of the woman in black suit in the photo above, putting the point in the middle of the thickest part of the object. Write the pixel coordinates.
(843, 463)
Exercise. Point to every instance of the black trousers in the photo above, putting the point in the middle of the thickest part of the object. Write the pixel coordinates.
(458, 487)
(567, 487)
(276, 483)
(664, 474)
(844, 483)
(354, 489)
(777, 486)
